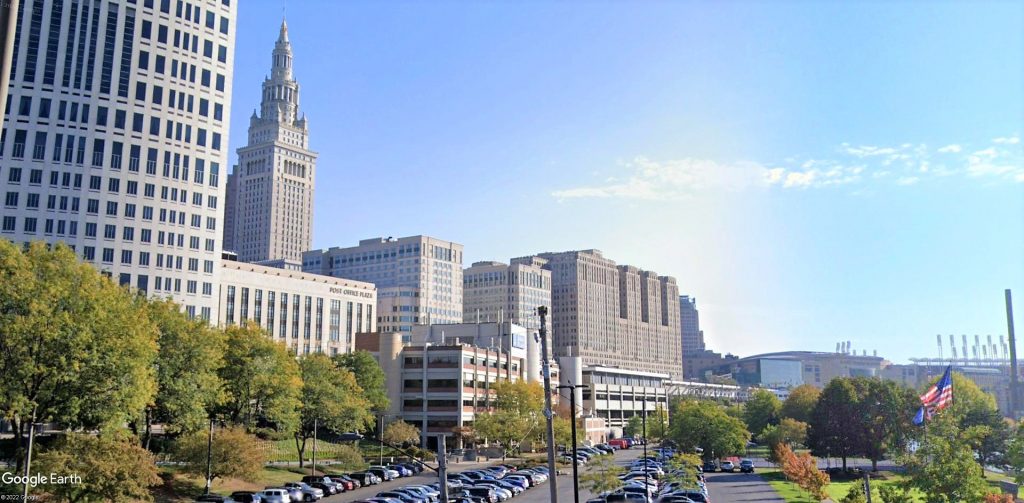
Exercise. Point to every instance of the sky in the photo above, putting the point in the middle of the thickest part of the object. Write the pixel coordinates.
(811, 172)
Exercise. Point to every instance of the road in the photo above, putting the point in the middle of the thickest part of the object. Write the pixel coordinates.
(739, 487)
(539, 494)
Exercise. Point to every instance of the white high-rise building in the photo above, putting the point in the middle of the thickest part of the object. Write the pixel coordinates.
(494, 291)
(269, 208)
(418, 278)
(115, 134)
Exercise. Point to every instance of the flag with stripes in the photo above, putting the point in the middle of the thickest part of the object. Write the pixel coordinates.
(937, 397)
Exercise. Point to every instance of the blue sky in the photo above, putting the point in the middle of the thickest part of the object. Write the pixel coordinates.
(811, 171)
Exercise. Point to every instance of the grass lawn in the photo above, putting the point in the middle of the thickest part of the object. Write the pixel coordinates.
(836, 490)
(179, 487)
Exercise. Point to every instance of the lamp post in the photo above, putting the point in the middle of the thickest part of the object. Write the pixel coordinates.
(209, 458)
(644, 422)
(575, 462)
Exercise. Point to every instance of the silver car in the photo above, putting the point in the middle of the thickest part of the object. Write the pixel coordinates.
(306, 491)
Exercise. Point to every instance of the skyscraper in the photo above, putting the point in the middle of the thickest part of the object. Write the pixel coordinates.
(117, 125)
(693, 337)
(613, 315)
(493, 291)
(418, 278)
(269, 207)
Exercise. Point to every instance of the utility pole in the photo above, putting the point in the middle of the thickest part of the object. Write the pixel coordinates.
(380, 434)
(209, 458)
(28, 456)
(867, 486)
(442, 468)
(542, 311)
(646, 473)
(575, 462)
(312, 467)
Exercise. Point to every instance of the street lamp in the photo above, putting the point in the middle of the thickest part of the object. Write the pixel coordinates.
(575, 462)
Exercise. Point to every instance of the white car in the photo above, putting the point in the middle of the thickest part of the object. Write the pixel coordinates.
(275, 496)
(727, 466)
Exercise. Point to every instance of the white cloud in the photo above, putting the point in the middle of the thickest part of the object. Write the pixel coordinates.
(908, 164)
(647, 179)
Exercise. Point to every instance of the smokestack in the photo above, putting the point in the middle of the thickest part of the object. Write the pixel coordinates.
(1013, 355)
(837, 347)
(848, 346)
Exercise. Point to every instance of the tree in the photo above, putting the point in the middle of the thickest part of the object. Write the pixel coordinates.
(75, 348)
(1015, 454)
(602, 475)
(400, 432)
(235, 454)
(993, 436)
(331, 399)
(800, 403)
(883, 419)
(111, 468)
(563, 431)
(803, 471)
(943, 466)
(518, 408)
(832, 431)
(190, 355)
(261, 379)
(761, 410)
(634, 427)
(370, 378)
(657, 424)
(789, 432)
(706, 425)
(895, 493)
(855, 495)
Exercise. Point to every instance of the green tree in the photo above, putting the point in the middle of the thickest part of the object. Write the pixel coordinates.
(188, 386)
(634, 427)
(563, 431)
(706, 425)
(235, 454)
(400, 432)
(832, 431)
(943, 466)
(75, 348)
(789, 432)
(518, 408)
(855, 495)
(111, 467)
(883, 420)
(895, 493)
(1015, 454)
(331, 400)
(261, 379)
(370, 378)
(657, 424)
(800, 403)
(601, 476)
(761, 410)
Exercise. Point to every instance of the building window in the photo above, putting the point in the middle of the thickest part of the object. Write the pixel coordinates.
(230, 316)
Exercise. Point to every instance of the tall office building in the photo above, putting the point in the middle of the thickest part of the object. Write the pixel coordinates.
(614, 315)
(494, 291)
(418, 278)
(692, 336)
(117, 128)
(269, 207)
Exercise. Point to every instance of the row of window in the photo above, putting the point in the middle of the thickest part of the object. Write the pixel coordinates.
(309, 327)
(68, 180)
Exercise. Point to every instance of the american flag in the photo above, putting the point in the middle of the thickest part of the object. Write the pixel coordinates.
(937, 397)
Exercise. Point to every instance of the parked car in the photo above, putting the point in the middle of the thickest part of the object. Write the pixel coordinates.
(275, 495)
(307, 492)
(710, 466)
(366, 478)
(382, 473)
(294, 493)
(246, 497)
(214, 498)
(727, 466)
